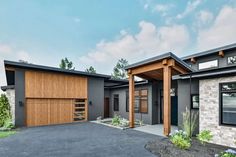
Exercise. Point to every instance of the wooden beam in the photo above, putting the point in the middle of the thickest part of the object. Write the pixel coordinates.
(131, 101)
(221, 54)
(164, 61)
(9, 69)
(146, 68)
(193, 60)
(167, 100)
(179, 69)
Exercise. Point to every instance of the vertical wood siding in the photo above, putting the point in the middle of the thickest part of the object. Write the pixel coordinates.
(53, 85)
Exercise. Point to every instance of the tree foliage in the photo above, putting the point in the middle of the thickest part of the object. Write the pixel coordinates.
(5, 110)
(119, 71)
(91, 70)
(66, 64)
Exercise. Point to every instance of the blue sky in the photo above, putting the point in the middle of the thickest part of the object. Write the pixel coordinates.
(99, 32)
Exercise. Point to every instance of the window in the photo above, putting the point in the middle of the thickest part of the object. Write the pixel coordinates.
(195, 101)
(227, 103)
(232, 60)
(140, 101)
(208, 64)
(116, 102)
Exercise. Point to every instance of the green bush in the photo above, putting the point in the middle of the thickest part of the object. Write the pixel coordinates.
(116, 120)
(204, 136)
(180, 139)
(189, 122)
(5, 110)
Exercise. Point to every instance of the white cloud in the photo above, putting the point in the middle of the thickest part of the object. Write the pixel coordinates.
(5, 49)
(204, 17)
(221, 32)
(7, 52)
(149, 41)
(191, 6)
(162, 8)
(23, 55)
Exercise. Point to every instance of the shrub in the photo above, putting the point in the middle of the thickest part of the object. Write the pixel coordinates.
(180, 139)
(228, 153)
(5, 110)
(124, 122)
(204, 136)
(189, 122)
(116, 120)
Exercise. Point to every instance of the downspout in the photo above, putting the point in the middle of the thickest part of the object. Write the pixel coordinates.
(190, 93)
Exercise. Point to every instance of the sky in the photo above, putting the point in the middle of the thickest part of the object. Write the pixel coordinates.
(99, 32)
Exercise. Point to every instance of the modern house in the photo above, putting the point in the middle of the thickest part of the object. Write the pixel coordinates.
(204, 82)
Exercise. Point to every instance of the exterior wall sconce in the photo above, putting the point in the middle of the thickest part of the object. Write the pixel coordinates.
(90, 103)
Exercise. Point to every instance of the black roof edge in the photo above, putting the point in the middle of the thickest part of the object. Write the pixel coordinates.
(162, 56)
(211, 51)
(125, 85)
(53, 69)
(205, 72)
(4, 88)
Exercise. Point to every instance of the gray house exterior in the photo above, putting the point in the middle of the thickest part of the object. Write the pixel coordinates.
(208, 90)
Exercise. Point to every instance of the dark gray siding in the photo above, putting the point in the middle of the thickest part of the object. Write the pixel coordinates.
(156, 102)
(96, 97)
(147, 118)
(222, 62)
(184, 99)
(20, 97)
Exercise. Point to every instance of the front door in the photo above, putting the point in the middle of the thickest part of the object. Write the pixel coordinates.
(174, 110)
(106, 107)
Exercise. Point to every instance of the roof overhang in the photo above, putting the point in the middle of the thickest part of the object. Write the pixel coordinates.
(152, 68)
(11, 65)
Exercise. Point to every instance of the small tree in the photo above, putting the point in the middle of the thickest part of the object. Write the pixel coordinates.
(5, 110)
(91, 69)
(66, 64)
(119, 71)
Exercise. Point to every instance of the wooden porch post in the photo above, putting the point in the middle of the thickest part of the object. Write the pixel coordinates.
(131, 101)
(167, 106)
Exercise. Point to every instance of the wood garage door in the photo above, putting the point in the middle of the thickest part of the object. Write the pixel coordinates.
(52, 111)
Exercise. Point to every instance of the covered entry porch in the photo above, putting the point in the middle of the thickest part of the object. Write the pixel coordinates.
(158, 68)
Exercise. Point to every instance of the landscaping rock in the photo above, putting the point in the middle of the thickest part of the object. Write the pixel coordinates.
(164, 148)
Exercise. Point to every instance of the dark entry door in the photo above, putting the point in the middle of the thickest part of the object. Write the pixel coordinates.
(106, 107)
(174, 110)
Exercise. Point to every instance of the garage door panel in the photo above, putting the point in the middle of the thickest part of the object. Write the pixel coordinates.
(49, 111)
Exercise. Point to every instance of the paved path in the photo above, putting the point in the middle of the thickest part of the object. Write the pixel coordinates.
(76, 140)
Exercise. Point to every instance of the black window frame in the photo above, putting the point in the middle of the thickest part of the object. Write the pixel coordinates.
(139, 98)
(116, 98)
(221, 103)
(192, 95)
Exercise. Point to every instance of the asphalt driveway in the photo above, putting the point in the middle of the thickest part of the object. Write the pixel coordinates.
(75, 140)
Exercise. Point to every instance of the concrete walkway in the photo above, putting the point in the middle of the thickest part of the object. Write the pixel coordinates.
(154, 129)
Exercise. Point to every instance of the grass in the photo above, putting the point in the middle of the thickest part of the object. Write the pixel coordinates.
(4, 134)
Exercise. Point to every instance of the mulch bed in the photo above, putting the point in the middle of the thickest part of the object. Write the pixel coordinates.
(164, 148)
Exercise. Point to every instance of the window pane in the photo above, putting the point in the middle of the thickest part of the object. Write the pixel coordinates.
(232, 60)
(136, 104)
(195, 101)
(228, 86)
(144, 106)
(116, 102)
(209, 64)
(144, 92)
(229, 108)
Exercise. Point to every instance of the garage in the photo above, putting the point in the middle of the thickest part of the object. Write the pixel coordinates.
(52, 98)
